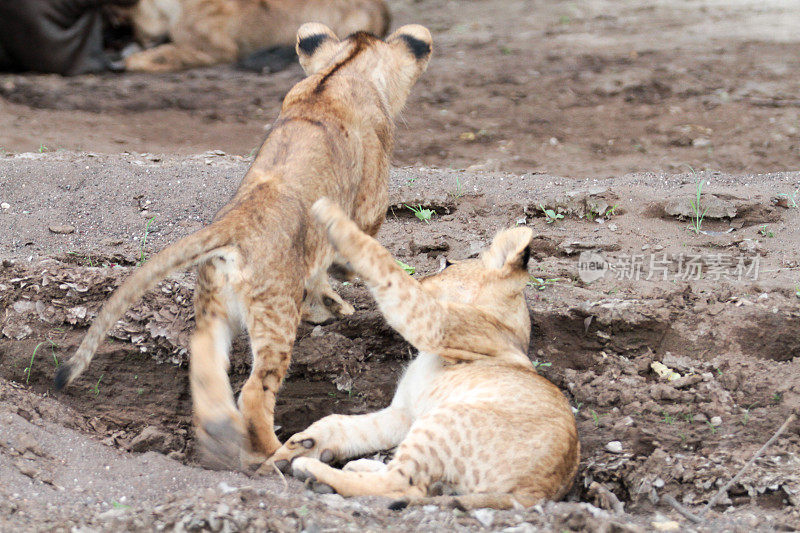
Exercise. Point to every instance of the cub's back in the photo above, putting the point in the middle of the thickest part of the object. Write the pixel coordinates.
(509, 387)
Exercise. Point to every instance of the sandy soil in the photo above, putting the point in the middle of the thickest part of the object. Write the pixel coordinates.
(609, 113)
(735, 342)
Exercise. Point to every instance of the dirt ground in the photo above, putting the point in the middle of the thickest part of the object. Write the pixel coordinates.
(735, 342)
(608, 113)
(591, 88)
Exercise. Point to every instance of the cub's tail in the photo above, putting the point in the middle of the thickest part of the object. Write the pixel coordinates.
(180, 254)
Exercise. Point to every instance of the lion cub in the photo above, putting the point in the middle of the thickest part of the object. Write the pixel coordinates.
(208, 32)
(470, 411)
(263, 261)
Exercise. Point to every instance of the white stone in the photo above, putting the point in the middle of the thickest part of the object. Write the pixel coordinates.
(614, 446)
(225, 488)
(484, 516)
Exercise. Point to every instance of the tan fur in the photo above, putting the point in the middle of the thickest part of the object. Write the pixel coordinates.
(207, 32)
(470, 412)
(263, 261)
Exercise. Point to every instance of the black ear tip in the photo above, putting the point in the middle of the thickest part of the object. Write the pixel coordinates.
(62, 376)
(307, 45)
(526, 256)
(398, 505)
(419, 48)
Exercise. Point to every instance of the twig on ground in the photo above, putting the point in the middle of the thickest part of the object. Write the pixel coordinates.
(735, 478)
(605, 497)
(283, 478)
(683, 511)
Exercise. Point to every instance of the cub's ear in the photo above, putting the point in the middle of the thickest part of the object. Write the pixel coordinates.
(316, 46)
(509, 249)
(416, 40)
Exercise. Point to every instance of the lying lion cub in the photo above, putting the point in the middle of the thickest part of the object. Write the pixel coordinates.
(208, 32)
(263, 261)
(470, 412)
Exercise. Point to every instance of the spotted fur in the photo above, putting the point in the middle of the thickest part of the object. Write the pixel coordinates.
(470, 412)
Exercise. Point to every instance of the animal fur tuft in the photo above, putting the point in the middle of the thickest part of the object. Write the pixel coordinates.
(63, 376)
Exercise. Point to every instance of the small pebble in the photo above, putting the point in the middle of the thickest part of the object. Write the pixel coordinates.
(5, 205)
(716, 421)
(62, 229)
(614, 446)
(225, 488)
(484, 516)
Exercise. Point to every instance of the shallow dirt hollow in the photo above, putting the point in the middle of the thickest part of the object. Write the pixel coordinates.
(594, 110)
(733, 341)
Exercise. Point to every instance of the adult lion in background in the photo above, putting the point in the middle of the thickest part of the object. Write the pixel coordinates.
(197, 33)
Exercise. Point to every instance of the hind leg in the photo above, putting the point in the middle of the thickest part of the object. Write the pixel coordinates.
(272, 326)
(220, 428)
(391, 482)
(419, 460)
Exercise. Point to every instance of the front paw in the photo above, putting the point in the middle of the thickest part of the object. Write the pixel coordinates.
(299, 445)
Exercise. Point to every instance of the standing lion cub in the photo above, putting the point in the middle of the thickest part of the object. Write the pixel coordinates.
(263, 262)
(470, 411)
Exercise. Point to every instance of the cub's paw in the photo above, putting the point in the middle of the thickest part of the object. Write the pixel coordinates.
(221, 444)
(252, 462)
(309, 470)
(325, 307)
(336, 305)
(299, 445)
(144, 61)
(315, 312)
